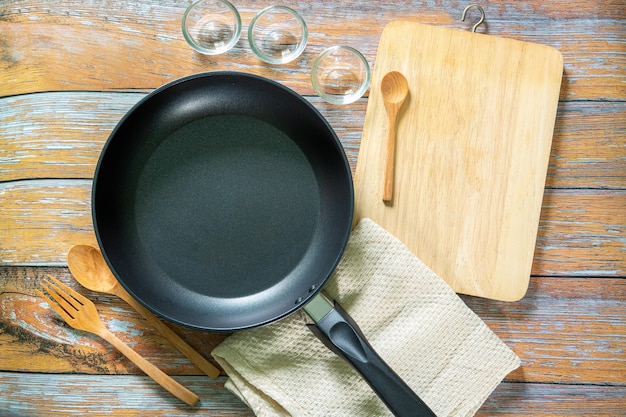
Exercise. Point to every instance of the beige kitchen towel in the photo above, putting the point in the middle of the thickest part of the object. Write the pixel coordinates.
(411, 317)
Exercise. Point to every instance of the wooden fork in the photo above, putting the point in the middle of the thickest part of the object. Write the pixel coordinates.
(81, 314)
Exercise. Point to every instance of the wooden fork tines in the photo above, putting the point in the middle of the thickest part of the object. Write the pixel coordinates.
(80, 313)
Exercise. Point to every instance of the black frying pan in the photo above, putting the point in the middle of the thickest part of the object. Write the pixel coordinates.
(224, 201)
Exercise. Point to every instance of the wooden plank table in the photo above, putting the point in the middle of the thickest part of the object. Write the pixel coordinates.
(69, 70)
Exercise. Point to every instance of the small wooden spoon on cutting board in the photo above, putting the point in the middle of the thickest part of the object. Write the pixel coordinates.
(395, 89)
(90, 269)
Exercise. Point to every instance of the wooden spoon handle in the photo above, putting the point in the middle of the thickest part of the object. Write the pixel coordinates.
(391, 159)
(173, 338)
(152, 371)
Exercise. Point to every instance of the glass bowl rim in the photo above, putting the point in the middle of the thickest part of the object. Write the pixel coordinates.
(222, 49)
(301, 44)
(345, 99)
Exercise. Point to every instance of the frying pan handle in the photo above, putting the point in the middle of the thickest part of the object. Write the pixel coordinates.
(340, 333)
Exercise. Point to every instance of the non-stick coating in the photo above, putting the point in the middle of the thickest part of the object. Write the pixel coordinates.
(223, 201)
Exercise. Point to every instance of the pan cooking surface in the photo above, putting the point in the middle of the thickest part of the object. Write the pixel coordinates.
(222, 201)
(231, 197)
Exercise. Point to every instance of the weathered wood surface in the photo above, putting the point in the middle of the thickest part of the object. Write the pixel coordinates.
(581, 233)
(48, 160)
(60, 135)
(554, 329)
(138, 45)
(69, 71)
(30, 396)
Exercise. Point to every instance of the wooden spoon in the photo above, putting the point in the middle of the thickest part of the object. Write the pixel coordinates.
(395, 89)
(90, 269)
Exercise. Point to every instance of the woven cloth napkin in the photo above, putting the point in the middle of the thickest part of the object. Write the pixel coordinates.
(413, 319)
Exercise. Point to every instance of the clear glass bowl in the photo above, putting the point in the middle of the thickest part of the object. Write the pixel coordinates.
(340, 75)
(278, 34)
(211, 26)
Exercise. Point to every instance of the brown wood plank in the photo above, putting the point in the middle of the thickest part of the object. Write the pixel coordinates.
(96, 395)
(567, 330)
(588, 146)
(139, 45)
(60, 135)
(42, 219)
(57, 135)
(551, 400)
(580, 232)
(25, 394)
(28, 395)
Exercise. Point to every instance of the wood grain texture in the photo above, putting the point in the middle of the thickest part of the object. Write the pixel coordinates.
(29, 396)
(60, 135)
(137, 395)
(549, 400)
(481, 169)
(138, 45)
(565, 330)
(599, 216)
(555, 331)
(70, 70)
(47, 216)
(588, 146)
(580, 233)
(57, 135)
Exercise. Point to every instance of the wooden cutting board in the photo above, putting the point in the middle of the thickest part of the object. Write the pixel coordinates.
(472, 151)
